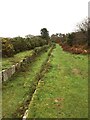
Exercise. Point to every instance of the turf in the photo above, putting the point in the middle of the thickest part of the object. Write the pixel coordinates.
(63, 91)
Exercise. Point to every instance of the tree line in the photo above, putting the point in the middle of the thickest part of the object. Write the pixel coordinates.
(11, 46)
(78, 39)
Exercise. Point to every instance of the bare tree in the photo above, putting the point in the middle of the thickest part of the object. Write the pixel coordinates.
(84, 30)
(84, 25)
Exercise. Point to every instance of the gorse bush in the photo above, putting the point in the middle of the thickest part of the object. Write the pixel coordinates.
(19, 44)
(7, 48)
(11, 46)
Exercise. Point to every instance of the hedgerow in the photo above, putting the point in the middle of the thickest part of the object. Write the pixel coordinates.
(11, 46)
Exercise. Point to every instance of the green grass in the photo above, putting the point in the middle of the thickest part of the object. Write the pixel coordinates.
(7, 62)
(17, 90)
(63, 91)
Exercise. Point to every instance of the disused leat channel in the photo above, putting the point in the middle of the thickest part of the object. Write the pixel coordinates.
(23, 106)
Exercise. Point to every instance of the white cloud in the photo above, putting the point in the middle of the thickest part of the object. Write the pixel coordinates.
(22, 17)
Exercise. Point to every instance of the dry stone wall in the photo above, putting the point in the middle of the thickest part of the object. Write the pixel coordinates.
(7, 73)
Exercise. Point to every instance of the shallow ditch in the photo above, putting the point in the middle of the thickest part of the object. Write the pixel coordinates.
(39, 76)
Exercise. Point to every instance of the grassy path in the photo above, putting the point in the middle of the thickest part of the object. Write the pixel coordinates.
(63, 91)
(20, 87)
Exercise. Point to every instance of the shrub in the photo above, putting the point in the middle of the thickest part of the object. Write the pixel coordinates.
(19, 44)
(7, 48)
(70, 39)
(28, 43)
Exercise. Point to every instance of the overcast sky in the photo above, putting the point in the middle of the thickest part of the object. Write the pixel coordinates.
(22, 17)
